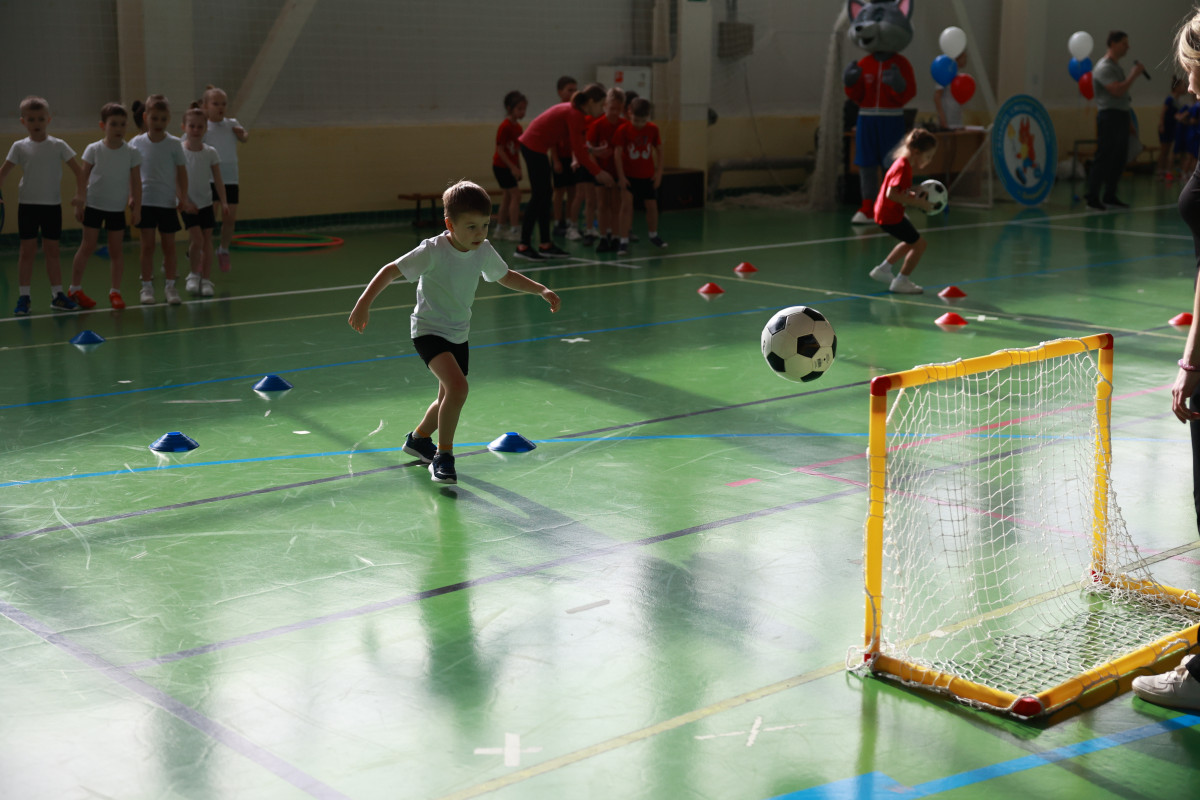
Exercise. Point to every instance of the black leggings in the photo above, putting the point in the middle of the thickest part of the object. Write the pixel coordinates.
(541, 190)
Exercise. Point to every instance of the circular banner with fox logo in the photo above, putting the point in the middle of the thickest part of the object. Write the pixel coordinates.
(1024, 149)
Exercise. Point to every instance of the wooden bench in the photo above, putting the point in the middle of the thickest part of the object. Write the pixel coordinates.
(419, 220)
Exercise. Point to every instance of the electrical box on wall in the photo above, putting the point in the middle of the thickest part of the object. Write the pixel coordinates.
(631, 79)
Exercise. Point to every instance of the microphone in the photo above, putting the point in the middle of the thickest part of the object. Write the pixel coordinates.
(1145, 74)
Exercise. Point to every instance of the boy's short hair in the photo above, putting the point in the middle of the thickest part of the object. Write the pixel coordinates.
(565, 81)
(113, 110)
(1116, 36)
(34, 103)
(514, 99)
(616, 93)
(464, 197)
(640, 107)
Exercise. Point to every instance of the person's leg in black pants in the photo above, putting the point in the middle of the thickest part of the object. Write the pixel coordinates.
(1112, 148)
(541, 189)
(1119, 156)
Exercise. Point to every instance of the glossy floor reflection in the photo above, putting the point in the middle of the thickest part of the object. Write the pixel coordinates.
(657, 602)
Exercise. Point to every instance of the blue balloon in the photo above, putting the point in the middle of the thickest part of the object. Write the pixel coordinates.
(943, 70)
(1086, 66)
(1075, 68)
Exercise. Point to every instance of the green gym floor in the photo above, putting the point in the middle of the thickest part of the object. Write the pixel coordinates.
(657, 602)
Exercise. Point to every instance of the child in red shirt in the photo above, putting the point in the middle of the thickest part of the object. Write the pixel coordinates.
(600, 141)
(915, 149)
(506, 166)
(637, 149)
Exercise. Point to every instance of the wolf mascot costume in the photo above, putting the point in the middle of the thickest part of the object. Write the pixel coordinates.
(880, 83)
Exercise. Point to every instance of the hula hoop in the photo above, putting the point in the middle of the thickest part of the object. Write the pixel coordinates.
(284, 241)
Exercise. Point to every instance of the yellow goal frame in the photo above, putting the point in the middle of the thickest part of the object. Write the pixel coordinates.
(1055, 697)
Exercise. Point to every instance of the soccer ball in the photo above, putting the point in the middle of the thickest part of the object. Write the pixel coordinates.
(936, 194)
(799, 344)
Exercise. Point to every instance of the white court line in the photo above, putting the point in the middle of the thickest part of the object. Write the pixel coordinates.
(631, 263)
(1180, 236)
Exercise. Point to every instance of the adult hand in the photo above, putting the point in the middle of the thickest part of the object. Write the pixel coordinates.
(1185, 384)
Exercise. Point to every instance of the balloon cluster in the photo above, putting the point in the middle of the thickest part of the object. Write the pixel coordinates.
(945, 67)
(1080, 66)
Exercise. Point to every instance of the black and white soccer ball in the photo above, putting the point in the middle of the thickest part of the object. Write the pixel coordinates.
(799, 344)
(935, 192)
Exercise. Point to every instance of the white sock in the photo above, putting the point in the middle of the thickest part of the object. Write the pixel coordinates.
(25, 291)
(147, 284)
(72, 289)
(55, 290)
(114, 291)
(624, 240)
(652, 234)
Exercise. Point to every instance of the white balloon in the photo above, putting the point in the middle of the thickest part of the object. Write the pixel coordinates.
(1080, 44)
(953, 41)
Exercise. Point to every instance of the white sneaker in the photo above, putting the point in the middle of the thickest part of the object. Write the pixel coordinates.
(901, 284)
(860, 218)
(147, 296)
(573, 232)
(1177, 688)
(882, 273)
(193, 282)
(207, 289)
(172, 293)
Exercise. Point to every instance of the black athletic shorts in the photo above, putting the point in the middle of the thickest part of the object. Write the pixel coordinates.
(166, 220)
(231, 194)
(205, 220)
(431, 346)
(31, 218)
(564, 179)
(95, 218)
(505, 177)
(904, 231)
(583, 176)
(643, 189)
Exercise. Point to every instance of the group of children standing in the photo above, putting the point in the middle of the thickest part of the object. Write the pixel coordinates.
(156, 175)
(596, 151)
(1178, 132)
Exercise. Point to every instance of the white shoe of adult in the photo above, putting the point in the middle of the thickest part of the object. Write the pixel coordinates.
(902, 284)
(860, 218)
(1177, 688)
(882, 273)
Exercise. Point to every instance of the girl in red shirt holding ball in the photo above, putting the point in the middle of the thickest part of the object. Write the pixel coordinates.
(915, 149)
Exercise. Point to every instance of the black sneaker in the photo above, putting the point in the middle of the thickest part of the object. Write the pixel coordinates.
(422, 448)
(23, 304)
(607, 244)
(1096, 204)
(589, 239)
(63, 303)
(623, 249)
(560, 228)
(528, 253)
(442, 469)
(657, 241)
(1115, 203)
(553, 251)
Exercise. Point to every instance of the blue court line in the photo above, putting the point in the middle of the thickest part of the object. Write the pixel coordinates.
(566, 440)
(879, 785)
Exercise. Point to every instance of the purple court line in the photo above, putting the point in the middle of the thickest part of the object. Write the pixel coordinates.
(206, 725)
(518, 572)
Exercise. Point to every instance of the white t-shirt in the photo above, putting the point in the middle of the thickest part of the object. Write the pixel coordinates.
(220, 135)
(199, 165)
(446, 281)
(41, 169)
(108, 185)
(159, 162)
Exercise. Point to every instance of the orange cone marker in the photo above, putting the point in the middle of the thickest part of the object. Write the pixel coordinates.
(951, 292)
(710, 288)
(745, 268)
(1182, 320)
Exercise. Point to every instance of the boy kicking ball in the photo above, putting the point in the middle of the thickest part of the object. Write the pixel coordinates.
(446, 269)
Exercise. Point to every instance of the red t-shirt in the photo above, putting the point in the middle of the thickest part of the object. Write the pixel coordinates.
(601, 132)
(899, 175)
(550, 126)
(636, 146)
(506, 140)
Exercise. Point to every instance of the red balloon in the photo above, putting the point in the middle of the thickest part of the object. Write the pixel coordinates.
(1085, 86)
(962, 88)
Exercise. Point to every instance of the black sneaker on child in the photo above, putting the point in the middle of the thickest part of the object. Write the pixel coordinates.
(442, 469)
(553, 251)
(623, 249)
(607, 244)
(1113, 202)
(1096, 205)
(420, 447)
(657, 241)
(560, 229)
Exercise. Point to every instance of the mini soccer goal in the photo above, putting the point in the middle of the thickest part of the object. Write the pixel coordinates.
(998, 568)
